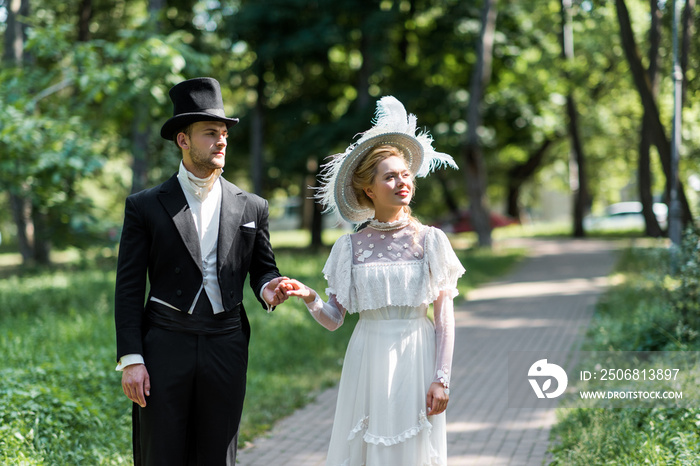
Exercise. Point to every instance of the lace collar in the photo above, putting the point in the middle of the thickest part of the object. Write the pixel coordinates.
(389, 226)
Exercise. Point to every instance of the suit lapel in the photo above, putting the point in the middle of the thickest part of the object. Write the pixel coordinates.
(233, 202)
(175, 203)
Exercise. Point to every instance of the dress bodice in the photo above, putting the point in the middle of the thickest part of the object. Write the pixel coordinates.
(372, 269)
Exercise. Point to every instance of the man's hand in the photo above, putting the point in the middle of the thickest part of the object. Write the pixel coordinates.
(136, 383)
(273, 294)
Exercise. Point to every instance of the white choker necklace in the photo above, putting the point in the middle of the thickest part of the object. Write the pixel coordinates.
(395, 225)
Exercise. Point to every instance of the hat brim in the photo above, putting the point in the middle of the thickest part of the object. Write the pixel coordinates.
(346, 202)
(182, 120)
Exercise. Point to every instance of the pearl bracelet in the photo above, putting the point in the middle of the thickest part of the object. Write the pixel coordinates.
(444, 379)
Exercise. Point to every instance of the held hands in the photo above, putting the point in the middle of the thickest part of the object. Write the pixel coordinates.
(136, 383)
(437, 399)
(296, 288)
(281, 288)
(273, 293)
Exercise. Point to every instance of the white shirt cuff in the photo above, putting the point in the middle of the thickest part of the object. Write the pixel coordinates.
(270, 307)
(128, 360)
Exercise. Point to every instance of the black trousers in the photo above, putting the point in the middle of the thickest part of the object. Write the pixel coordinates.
(197, 391)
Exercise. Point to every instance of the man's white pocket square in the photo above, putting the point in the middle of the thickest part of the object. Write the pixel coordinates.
(249, 225)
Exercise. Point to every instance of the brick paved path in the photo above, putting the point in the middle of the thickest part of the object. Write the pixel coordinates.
(545, 304)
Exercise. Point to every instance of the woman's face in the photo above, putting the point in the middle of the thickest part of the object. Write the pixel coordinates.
(393, 184)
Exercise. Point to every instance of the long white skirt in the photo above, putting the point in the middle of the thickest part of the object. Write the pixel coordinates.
(380, 417)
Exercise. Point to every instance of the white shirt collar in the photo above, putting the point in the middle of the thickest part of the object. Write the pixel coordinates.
(199, 187)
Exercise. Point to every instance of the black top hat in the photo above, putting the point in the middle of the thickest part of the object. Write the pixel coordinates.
(197, 99)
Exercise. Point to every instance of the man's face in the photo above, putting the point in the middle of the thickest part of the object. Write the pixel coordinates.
(207, 147)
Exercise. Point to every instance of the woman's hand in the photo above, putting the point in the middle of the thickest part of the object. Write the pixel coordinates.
(437, 399)
(296, 288)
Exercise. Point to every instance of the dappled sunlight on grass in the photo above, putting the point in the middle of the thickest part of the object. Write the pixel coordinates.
(61, 400)
(639, 312)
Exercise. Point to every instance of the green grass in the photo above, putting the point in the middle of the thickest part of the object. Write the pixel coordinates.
(61, 400)
(636, 314)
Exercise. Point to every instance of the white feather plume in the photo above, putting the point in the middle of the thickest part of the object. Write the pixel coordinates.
(390, 117)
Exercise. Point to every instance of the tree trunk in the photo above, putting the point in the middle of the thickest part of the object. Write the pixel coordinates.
(15, 31)
(42, 236)
(316, 226)
(519, 174)
(688, 30)
(21, 214)
(84, 17)
(581, 194)
(257, 135)
(656, 129)
(363, 97)
(316, 222)
(579, 182)
(13, 56)
(447, 196)
(142, 124)
(644, 179)
(475, 167)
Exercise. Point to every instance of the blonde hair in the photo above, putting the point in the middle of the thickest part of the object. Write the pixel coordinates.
(366, 172)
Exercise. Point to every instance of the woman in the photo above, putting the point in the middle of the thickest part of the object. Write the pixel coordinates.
(394, 387)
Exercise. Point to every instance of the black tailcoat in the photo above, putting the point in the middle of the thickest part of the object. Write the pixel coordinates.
(159, 240)
(159, 256)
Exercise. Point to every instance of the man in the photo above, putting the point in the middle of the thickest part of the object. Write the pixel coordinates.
(184, 353)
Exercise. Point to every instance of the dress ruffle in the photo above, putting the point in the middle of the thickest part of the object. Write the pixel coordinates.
(423, 424)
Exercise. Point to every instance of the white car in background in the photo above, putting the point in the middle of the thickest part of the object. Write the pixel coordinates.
(625, 216)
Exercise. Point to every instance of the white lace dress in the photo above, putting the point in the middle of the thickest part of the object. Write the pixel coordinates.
(395, 351)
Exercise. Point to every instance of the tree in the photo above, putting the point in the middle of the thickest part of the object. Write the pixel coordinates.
(578, 158)
(522, 172)
(54, 105)
(657, 132)
(20, 203)
(644, 169)
(475, 171)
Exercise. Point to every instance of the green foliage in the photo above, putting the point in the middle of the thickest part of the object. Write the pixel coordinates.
(59, 395)
(72, 105)
(313, 70)
(628, 436)
(648, 309)
(686, 297)
(653, 309)
(61, 400)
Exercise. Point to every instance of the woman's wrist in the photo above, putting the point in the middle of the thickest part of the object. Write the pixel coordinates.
(443, 378)
(311, 298)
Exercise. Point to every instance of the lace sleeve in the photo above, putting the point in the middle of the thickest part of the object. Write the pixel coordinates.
(443, 309)
(331, 314)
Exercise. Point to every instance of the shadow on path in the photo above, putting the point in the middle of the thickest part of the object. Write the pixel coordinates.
(544, 304)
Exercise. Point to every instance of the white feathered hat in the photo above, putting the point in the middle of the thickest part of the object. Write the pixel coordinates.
(392, 126)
